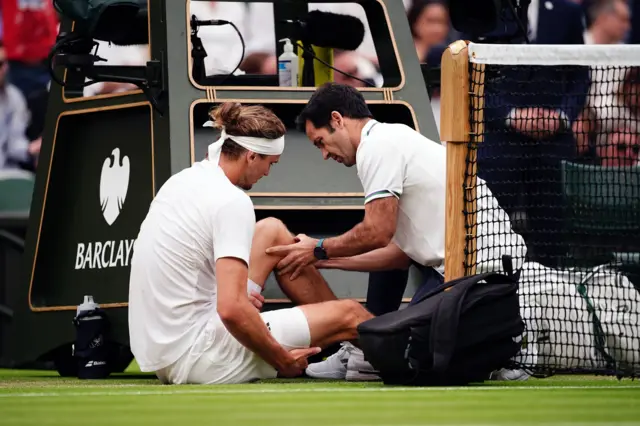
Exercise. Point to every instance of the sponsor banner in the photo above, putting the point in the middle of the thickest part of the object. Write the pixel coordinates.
(99, 191)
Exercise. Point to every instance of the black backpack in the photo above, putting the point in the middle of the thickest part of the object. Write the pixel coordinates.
(455, 335)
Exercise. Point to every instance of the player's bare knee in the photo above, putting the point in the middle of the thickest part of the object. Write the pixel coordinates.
(269, 224)
(275, 230)
(351, 314)
(269, 227)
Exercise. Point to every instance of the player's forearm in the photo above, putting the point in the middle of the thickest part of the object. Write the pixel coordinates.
(384, 259)
(362, 238)
(245, 324)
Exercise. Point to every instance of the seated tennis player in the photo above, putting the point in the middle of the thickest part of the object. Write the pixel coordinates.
(200, 263)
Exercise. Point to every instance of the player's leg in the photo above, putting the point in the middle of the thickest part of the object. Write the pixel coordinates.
(324, 324)
(309, 287)
(222, 359)
(326, 320)
(319, 324)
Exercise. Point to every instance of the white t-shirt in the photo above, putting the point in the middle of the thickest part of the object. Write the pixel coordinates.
(197, 217)
(393, 160)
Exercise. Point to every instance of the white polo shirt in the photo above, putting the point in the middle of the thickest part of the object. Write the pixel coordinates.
(197, 217)
(393, 160)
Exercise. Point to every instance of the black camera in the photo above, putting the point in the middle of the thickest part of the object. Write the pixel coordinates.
(484, 20)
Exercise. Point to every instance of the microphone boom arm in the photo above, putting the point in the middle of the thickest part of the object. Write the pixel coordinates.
(73, 53)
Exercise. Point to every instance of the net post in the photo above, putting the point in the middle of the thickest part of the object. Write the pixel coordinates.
(476, 82)
(455, 132)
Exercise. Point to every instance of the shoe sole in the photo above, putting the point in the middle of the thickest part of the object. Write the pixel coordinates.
(501, 378)
(361, 376)
(325, 376)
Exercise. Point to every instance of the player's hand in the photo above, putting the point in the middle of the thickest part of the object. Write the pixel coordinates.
(256, 300)
(296, 256)
(298, 362)
(34, 146)
(537, 123)
(323, 264)
(328, 264)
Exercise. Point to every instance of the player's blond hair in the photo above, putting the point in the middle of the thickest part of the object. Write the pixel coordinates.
(245, 120)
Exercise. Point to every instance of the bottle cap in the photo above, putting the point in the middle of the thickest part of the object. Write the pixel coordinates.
(288, 47)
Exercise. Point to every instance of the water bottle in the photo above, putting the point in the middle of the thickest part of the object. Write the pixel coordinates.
(90, 348)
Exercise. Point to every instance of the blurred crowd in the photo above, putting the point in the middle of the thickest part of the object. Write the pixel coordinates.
(29, 27)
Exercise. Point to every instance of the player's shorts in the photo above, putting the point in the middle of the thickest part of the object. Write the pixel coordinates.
(218, 358)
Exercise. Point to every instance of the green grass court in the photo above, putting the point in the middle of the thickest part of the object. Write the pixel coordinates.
(44, 398)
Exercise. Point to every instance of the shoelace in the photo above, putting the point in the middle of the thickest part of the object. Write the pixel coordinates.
(344, 352)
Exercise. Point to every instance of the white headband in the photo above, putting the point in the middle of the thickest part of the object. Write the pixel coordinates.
(258, 145)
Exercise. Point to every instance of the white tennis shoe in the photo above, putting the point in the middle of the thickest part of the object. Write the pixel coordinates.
(505, 374)
(347, 364)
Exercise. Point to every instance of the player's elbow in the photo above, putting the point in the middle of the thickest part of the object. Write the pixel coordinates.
(379, 235)
(380, 221)
(382, 237)
(378, 242)
(375, 239)
(229, 312)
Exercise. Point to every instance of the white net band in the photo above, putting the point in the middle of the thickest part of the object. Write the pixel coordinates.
(553, 55)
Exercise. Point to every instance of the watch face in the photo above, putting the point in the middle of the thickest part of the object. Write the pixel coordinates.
(320, 253)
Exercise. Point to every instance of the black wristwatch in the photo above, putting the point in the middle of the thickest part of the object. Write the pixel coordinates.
(319, 252)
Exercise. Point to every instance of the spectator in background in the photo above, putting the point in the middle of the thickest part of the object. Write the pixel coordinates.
(524, 145)
(355, 65)
(621, 149)
(619, 143)
(432, 32)
(429, 24)
(30, 29)
(15, 149)
(634, 35)
(605, 121)
(610, 21)
(261, 63)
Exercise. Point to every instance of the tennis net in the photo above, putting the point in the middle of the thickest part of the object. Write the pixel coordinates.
(553, 134)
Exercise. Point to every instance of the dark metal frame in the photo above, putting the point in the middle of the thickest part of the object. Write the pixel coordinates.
(18, 244)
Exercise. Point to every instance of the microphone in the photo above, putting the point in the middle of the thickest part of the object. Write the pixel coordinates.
(195, 22)
(330, 30)
(123, 26)
(138, 33)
